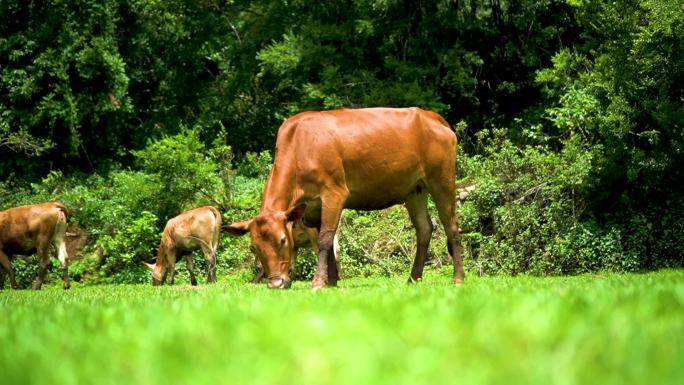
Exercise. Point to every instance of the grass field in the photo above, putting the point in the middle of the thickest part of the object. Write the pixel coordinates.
(594, 329)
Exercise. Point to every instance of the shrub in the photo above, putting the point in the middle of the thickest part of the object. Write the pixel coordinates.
(186, 175)
(527, 213)
(124, 251)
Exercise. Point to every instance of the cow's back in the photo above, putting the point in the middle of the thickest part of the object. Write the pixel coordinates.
(377, 154)
(184, 230)
(20, 227)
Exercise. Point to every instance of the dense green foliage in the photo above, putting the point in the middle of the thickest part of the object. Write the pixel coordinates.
(607, 329)
(570, 115)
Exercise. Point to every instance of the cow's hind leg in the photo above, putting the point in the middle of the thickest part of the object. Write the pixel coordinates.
(6, 267)
(43, 250)
(210, 256)
(190, 263)
(416, 204)
(445, 200)
(60, 245)
(43, 264)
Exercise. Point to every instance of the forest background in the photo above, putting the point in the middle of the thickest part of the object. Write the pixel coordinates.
(569, 113)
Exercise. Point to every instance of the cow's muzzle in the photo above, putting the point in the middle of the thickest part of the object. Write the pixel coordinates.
(279, 283)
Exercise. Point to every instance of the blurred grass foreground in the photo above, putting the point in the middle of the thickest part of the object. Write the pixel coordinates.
(590, 329)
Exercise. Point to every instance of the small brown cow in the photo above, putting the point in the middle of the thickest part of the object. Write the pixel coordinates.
(192, 230)
(33, 229)
(362, 159)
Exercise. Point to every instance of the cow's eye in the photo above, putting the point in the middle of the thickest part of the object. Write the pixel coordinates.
(283, 241)
(252, 248)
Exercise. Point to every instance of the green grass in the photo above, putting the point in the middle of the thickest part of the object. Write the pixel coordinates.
(593, 329)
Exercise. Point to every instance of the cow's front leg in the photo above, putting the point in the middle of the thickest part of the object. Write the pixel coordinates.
(333, 266)
(172, 256)
(334, 273)
(331, 210)
(6, 267)
(172, 274)
(325, 269)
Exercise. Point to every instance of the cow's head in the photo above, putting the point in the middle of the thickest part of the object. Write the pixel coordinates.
(272, 243)
(158, 272)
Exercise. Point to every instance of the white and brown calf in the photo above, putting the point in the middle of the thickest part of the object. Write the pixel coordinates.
(192, 230)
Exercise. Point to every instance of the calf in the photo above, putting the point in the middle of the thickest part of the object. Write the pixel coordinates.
(189, 231)
(32, 229)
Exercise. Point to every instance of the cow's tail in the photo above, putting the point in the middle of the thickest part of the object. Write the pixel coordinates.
(62, 216)
(201, 240)
(58, 239)
(63, 209)
(216, 233)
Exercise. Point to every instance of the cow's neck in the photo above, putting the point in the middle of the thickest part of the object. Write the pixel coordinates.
(280, 189)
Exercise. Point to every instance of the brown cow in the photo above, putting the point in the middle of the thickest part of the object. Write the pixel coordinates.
(192, 230)
(30, 229)
(364, 159)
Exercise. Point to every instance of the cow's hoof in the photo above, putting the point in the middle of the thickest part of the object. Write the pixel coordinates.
(318, 283)
(414, 280)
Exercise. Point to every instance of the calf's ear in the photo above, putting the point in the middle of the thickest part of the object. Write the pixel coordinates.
(237, 228)
(296, 212)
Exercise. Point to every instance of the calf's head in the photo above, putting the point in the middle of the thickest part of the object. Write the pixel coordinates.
(158, 272)
(271, 242)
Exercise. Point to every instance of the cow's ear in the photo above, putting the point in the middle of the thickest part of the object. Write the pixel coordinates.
(296, 212)
(238, 228)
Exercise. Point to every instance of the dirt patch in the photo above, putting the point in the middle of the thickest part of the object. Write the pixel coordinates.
(76, 239)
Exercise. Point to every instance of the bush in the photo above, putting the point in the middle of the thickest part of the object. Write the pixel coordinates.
(527, 213)
(124, 251)
(186, 175)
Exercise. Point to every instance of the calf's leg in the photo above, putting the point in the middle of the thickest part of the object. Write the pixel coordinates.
(190, 263)
(60, 245)
(210, 256)
(43, 249)
(43, 263)
(6, 267)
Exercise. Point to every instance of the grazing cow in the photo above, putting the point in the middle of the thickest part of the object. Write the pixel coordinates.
(32, 229)
(363, 159)
(302, 236)
(192, 230)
